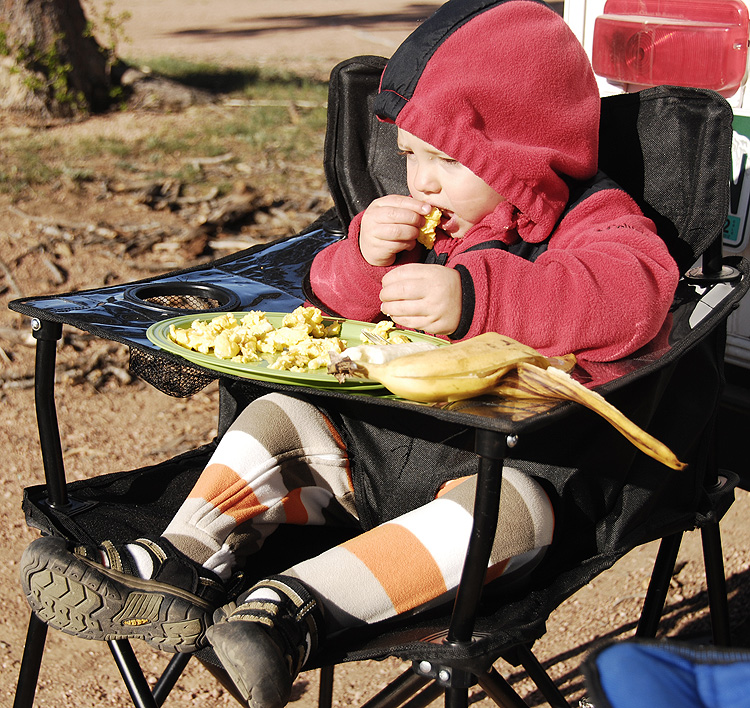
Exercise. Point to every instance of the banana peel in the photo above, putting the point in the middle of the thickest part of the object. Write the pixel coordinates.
(531, 382)
(489, 363)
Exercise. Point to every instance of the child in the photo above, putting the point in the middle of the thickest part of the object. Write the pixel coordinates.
(497, 113)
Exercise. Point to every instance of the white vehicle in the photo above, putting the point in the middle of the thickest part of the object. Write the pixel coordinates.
(703, 43)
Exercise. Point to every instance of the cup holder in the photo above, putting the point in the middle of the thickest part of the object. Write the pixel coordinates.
(183, 297)
(173, 298)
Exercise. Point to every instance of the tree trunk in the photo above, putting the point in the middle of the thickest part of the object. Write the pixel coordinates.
(51, 66)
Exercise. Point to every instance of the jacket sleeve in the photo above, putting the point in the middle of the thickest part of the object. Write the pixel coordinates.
(343, 283)
(602, 289)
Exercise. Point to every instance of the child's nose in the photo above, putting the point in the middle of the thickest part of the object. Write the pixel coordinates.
(425, 180)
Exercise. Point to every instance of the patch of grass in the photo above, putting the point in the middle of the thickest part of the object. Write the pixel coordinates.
(24, 164)
(202, 75)
(163, 144)
(29, 170)
(255, 81)
(85, 149)
(4, 48)
(274, 118)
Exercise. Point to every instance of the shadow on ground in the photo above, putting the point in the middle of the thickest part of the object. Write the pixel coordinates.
(412, 14)
(696, 630)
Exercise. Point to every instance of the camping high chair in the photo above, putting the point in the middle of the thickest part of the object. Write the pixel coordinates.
(670, 148)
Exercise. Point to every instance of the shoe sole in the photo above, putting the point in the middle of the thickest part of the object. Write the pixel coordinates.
(90, 601)
(253, 662)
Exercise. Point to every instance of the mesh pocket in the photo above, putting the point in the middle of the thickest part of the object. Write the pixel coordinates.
(171, 377)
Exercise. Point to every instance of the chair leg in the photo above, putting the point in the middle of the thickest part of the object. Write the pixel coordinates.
(716, 583)
(126, 661)
(540, 677)
(325, 693)
(398, 691)
(169, 677)
(425, 697)
(31, 662)
(499, 690)
(223, 678)
(656, 595)
(456, 697)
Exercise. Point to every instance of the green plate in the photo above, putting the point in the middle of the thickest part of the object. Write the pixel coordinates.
(158, 334)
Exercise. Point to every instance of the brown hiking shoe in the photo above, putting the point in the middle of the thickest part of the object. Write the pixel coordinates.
(72, 590)
(265, 639)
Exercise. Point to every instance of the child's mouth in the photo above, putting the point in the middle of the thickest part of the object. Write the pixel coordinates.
(449, 223)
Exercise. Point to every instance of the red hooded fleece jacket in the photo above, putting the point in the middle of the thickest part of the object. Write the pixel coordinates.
(506, 89)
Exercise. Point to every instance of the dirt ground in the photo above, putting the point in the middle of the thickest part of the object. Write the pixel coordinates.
(110, 422)
(311, 37)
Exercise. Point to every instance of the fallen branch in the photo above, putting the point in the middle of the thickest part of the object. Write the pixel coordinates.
(17, 336)
(4, 358)
(12, 284)
(58, 276)
(199, 162)
(47, 220)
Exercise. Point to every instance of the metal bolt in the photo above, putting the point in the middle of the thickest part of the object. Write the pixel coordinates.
(36, 324)
(511, 440)
(444, 675)
(425, 667)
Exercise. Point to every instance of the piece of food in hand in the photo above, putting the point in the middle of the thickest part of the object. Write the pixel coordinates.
(427, 232)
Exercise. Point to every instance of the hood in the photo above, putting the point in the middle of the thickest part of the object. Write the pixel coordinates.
(506, 89)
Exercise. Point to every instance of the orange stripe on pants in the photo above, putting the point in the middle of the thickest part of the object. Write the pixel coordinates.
(294, 508)
(221, 487)
(400, 563)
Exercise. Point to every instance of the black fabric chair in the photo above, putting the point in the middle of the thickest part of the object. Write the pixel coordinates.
(670, 148)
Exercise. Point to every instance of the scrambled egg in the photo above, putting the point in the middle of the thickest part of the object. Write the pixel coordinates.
(427, 232)
(301, 343)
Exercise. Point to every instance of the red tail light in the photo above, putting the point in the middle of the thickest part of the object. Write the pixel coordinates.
(701, 43)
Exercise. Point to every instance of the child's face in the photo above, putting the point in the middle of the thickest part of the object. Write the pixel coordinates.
(437, 179)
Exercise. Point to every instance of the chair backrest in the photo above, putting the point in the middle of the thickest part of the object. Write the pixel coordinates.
(669, 147)
(361, 160)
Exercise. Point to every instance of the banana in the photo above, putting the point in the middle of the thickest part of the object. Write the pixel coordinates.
(355, 361)
(449, 373)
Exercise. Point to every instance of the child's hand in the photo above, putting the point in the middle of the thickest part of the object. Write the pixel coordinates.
(390, 225)
(423, 296)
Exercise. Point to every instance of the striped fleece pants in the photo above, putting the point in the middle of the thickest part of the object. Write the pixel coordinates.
(282, 462)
